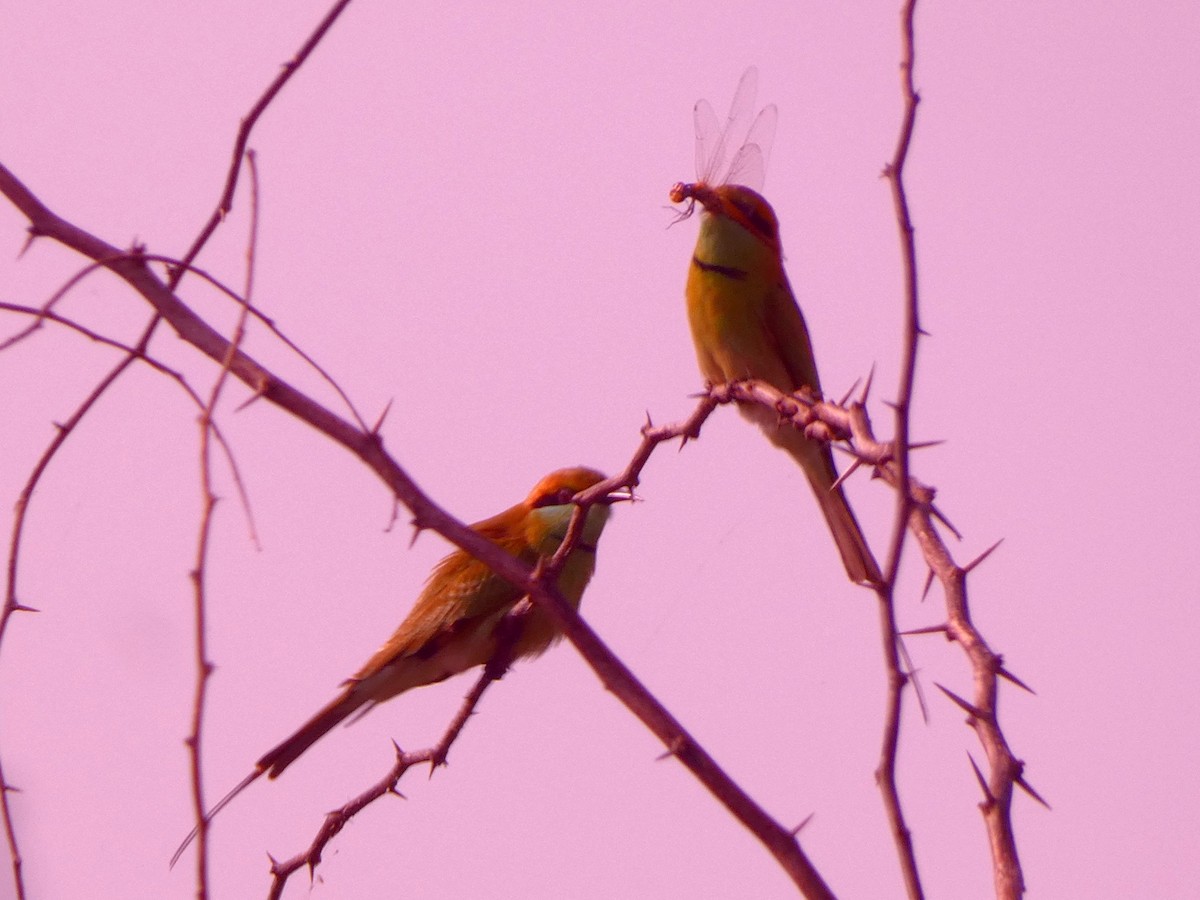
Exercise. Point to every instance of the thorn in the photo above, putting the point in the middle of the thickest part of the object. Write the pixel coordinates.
(850, 393)
(417, 528)
(21, 607)
(867, 387)
(849, 451)
(672, 750)
(649, 422)
(910, 676)
(800, 827)
(921, 331)
(850, 471)
(931, 629)
(383, 415)
(1028, 788)
(982, 556)
(971, 709)
(937, 514)
(1004, 673)
(891, 404)
(922, 445)
(32, 235)
(928, 585)
(983, 785)
(249, 401)
(395, 516)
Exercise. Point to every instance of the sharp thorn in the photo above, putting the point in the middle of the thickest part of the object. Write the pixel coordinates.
(849, 393)
(867, 387)
(800, 827)
(672, 750)
(970, 709)
(248, 402)
(982, 556)
(1028, 788)
(940, 516)
(849, 471)
(923, 445)
(383, 415)
(983, 785)
(931, 629)
(1004, 673)
(928, 584)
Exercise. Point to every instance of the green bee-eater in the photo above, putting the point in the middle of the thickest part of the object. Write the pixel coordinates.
(743, 315)
(452, 627)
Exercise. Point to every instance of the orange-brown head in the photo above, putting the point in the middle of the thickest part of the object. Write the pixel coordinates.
(735, 202)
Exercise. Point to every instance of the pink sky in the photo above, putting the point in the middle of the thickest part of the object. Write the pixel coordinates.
(467, 217)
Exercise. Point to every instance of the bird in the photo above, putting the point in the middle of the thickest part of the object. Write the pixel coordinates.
(453, 624)
(743, 315)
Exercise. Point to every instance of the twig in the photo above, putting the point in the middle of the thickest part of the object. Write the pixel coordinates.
(368, 447)
(204, 665)
(506, 635)
(896, 678)
(851, 424)
(225, 204)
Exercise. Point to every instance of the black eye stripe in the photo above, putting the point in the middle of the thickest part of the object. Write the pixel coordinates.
(756, 219)
(557, 498)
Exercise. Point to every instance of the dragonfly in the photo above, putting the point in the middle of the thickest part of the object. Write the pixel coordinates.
(716, 161)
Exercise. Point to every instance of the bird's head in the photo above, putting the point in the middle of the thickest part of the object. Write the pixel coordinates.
(550, 505)
(735, 202)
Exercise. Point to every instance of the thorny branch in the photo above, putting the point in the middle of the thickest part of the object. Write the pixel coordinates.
(828, 421)
(208, 497)
(368, 447)
(915, 514)
(506, 634)
(897, 678)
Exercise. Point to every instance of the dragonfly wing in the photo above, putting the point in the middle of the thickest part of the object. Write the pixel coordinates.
(708, 139)
(749, 166)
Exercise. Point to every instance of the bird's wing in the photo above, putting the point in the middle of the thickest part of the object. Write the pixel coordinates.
(439, 616)
(785, 323)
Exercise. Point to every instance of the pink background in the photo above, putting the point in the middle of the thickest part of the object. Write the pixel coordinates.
(465, 214)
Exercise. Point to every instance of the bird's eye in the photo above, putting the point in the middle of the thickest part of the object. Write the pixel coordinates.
(555, 498)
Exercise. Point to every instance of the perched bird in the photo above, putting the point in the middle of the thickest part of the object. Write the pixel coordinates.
(743, 315)
(453, 625)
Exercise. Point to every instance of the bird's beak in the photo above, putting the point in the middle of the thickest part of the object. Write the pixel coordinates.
(620, 495)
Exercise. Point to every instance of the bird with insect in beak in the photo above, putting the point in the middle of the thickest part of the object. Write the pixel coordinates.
(744, 318)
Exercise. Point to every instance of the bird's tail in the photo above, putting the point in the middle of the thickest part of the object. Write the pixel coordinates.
(221, 804)
(278, 758)
(816, 460)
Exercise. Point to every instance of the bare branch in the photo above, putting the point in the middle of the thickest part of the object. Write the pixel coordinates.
(506, 634)
(225, 204)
